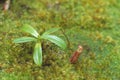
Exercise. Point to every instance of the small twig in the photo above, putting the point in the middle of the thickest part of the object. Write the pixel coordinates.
(76, 55)
(6, 5)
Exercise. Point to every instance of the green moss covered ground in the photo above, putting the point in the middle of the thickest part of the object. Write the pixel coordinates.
(94, 24)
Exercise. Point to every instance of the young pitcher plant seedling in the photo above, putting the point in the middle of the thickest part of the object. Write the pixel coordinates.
(37, 53)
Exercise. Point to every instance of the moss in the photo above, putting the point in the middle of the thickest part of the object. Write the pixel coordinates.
(92, 24)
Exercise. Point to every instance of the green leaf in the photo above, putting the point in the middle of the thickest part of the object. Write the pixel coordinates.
(56, 40)
(24, 39)
(37, 54)
(27, 28)
(51, 31)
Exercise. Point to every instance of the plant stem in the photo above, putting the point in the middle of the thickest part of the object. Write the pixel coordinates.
(68, 42)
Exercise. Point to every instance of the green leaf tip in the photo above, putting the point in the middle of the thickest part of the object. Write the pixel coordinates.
(56, 40)
(37, 54)
(29, 29)
(51, 31)
(24, 39)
